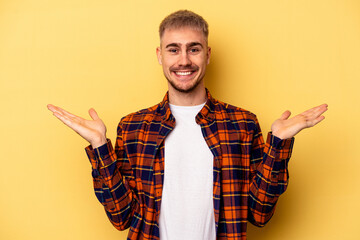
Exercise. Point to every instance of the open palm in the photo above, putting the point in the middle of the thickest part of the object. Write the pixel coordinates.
(94, 131)
(286, 127)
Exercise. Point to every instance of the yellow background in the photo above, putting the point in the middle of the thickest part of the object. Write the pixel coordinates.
(268, 56)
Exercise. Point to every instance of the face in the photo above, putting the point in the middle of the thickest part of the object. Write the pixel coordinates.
(184, 55)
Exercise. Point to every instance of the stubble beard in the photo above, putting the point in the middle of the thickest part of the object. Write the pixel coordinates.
(184, 90)
(187, 89)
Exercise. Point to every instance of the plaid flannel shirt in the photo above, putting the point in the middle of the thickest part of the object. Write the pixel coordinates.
(248, 174)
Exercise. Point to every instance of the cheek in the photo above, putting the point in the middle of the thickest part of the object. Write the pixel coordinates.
(201, 60)
(167, 62)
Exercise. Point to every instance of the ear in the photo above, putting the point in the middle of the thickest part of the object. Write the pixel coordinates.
(208, 55)
(158, 54)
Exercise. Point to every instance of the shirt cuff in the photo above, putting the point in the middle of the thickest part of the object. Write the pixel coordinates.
(101, 156)
(279, 143)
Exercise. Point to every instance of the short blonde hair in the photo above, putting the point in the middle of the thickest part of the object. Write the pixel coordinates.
(184, 18)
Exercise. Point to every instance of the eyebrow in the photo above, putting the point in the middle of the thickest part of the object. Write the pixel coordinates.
(191, 44)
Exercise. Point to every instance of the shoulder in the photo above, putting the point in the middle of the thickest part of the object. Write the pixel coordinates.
(233, 112)
(240, 118)
(141, 117)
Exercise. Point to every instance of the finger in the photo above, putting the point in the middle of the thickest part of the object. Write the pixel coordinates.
(51, 107)
(322, 108)
(65, 113)
(63, 118)
(285, 115)
(93, 114)
(55, 109)
(70, 122)
(317, 111)
(316, 121)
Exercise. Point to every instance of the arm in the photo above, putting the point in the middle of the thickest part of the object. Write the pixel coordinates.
(269, 162)
(269, 175)
(114, 183)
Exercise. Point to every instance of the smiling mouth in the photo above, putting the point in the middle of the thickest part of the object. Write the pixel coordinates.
(184, 73)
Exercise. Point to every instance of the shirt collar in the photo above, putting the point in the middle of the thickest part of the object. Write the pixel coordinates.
(206, 114)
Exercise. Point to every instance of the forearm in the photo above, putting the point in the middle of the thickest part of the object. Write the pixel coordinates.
(111, 188)
(270, 178)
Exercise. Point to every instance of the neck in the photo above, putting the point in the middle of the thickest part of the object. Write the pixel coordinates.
(195, 97)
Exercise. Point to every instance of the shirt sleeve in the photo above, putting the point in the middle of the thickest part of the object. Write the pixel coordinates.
(268, 175)
(114, 183)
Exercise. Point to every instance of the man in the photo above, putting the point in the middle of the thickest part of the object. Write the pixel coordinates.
(201, 176)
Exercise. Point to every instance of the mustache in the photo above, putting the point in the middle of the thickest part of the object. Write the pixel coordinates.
(184, 68)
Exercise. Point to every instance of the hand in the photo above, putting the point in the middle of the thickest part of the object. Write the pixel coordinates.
(285, 128)
(94, 131)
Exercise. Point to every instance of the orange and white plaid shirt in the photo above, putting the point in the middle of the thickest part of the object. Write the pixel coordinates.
(249, 175)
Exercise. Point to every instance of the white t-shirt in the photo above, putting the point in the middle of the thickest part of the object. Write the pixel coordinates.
(187, 210)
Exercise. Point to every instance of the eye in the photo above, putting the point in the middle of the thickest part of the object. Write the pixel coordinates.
(173, 50)
(194, 50)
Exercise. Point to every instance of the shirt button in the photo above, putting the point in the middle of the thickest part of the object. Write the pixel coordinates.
(95, 173)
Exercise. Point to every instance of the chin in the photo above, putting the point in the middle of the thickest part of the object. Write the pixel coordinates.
(185, 89)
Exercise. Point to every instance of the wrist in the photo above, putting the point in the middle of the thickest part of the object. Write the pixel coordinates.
(98, 142)
(278, 135)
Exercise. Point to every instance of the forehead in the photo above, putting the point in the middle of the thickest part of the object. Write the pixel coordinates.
(182, 36)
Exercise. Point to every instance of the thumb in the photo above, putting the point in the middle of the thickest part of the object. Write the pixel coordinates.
(285, 115)
(93, 114)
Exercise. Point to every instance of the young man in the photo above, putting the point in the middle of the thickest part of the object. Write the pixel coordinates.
(190, 167)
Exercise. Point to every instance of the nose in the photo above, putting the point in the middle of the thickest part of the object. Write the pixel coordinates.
(184, 59)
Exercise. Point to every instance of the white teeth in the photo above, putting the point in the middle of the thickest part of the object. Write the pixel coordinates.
(183, 73)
